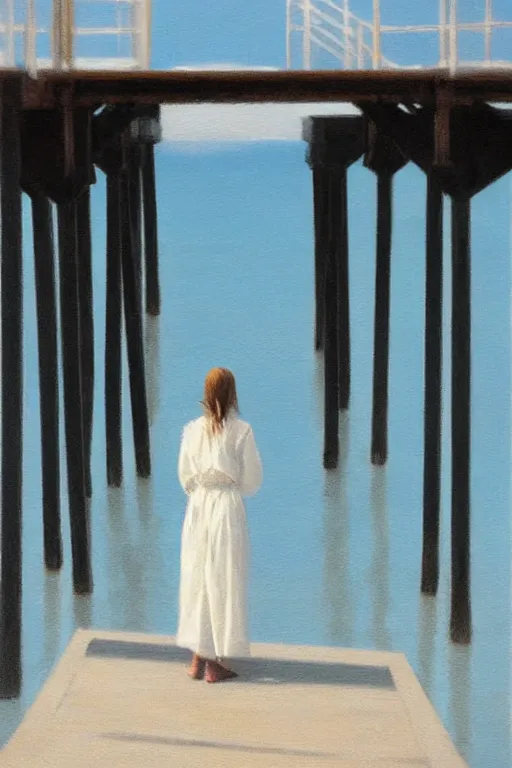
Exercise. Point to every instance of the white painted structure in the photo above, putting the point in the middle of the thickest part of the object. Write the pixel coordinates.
(75, 34)
(326, 34)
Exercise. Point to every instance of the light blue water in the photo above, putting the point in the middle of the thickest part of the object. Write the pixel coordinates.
(336, 558)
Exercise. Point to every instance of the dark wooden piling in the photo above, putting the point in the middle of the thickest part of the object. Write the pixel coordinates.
(84, 253)
(118, 133)
(113, 344)
(385, 158)
(331, 341)
(460, 618)
(320, 219)
(108, 128)
(42, 225)
(334, 145)
(341, 221)
(379, 449)
(134, 342)
(150, 230)
(73, 401)
(12, 387)
(57, 164)
(433, 386)
(134, 180)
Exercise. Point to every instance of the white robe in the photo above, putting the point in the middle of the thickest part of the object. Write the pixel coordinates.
(216, 472)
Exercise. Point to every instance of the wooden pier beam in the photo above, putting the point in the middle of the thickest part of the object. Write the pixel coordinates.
(42, 226)
(460, 618)
(384, 158)
(12, 386)
(433, 386)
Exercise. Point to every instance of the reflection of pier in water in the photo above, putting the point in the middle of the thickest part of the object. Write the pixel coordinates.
(338, 589)
(380, 559)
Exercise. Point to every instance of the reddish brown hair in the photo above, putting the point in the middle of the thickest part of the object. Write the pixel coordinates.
(219, 396)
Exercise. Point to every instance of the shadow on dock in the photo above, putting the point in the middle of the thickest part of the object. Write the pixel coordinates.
(255, 670)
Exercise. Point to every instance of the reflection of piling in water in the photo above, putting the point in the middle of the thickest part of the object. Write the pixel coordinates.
(116, 541)
(337, 545)
(380, 559)
(51, 617)
(459, 675)
(427, 629)
(129, 552)
(82, 611)
(152, 346)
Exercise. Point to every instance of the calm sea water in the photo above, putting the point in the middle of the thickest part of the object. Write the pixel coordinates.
(336, 557)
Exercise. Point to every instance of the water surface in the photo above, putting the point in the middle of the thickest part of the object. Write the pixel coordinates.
(336, 557)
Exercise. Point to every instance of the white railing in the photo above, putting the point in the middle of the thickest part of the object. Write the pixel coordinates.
(78, 34)
(327, 34)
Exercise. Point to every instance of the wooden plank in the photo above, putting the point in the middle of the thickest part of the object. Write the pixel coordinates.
(90, 88)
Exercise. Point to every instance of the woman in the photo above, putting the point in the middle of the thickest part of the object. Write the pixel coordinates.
(218, 465)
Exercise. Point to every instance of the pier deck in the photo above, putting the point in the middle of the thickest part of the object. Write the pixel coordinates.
(119, 699)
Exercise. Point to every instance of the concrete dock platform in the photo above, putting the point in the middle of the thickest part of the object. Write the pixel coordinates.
(123, 699)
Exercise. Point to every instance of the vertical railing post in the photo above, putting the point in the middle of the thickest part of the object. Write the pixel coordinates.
(347, 35)
(453, 36)
(376, 58)
(443, 58)
(306, 35)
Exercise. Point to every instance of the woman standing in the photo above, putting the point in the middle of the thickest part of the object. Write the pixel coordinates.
(218, 465)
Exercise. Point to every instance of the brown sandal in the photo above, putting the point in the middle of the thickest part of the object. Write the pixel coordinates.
(197, 667)
(216, 673)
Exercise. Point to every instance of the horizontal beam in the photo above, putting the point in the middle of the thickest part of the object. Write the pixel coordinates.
(95, 88)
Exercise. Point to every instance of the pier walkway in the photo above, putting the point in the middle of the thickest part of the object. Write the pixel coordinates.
(123, 699)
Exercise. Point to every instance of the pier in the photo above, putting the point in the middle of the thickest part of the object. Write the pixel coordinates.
(58, 129)
(293, 706)
(101, 118)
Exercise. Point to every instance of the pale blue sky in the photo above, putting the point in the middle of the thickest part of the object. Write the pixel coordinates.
(254, 33)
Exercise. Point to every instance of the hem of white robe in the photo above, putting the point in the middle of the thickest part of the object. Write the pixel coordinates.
(236, 651)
